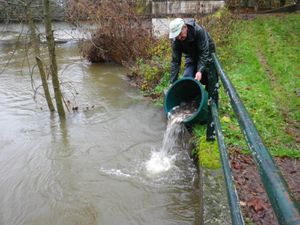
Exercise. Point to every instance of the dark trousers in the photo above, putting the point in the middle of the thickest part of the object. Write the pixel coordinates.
(210, 80)
(190, 69)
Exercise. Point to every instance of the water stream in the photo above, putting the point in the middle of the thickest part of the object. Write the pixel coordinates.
(174, 146)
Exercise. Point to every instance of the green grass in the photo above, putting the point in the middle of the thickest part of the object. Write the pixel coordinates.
(207, 152)
(262, 62)
(261, 58)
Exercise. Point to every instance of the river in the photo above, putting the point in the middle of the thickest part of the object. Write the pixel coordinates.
(92, 168)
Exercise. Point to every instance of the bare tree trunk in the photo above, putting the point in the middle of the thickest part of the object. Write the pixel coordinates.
(36, 47)
(53, 65)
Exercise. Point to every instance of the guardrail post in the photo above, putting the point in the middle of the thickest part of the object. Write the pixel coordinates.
(285, 207)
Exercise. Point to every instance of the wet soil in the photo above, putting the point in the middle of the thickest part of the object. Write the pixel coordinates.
(253, 199)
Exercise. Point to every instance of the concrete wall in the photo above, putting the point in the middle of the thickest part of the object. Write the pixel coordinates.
(171, 7)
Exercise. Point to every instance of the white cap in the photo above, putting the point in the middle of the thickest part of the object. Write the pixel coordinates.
(175, 27)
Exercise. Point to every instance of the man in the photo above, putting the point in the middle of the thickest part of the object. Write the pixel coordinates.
(195, 43)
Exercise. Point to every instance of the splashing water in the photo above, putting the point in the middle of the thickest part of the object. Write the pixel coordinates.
(163, 159)
(174, 139)
(159, 162)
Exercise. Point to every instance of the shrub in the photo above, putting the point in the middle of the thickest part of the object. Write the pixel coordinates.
(121, 35)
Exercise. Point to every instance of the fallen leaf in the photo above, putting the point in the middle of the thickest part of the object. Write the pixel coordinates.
(257, 204)
(242, 203)
(236, 165)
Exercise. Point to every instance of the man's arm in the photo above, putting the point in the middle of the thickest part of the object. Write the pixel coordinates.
(175, 62)
(202, 43)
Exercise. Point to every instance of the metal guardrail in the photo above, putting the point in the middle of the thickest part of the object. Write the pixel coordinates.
(235, 211)
(284, 205)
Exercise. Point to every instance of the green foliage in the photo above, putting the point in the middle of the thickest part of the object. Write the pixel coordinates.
(154, 71)
(219, 25)
(119, 35)
(207, 152)
(150, 70)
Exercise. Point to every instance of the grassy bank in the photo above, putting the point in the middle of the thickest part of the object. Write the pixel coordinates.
(262, 61)
(260, 57)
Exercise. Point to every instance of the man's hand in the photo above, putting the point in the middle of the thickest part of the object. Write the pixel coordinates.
(198, 76)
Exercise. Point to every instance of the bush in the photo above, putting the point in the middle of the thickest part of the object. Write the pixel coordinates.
(121, 35)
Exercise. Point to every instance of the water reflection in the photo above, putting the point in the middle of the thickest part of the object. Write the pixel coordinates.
(60, 146)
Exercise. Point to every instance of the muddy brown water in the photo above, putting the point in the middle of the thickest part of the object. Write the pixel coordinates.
(93, 168)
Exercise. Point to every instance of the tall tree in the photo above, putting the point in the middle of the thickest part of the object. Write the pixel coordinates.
(53, 64)
(36, 47)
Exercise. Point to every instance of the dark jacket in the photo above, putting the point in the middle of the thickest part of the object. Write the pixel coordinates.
(197, 48)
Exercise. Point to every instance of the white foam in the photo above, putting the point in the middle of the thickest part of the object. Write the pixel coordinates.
(159, 162)
(114, 172)
(164, 159)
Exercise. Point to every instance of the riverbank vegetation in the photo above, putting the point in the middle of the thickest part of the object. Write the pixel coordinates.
(261, 60)
(118, 37)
